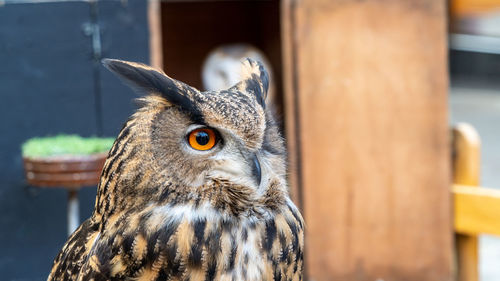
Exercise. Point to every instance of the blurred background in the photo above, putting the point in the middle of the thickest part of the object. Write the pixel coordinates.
(474, 62)
(52, 82)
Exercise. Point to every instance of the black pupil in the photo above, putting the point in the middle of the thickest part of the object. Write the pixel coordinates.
(202, 138)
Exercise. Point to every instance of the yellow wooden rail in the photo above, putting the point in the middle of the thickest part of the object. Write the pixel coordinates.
(466, 159)
(477, 210)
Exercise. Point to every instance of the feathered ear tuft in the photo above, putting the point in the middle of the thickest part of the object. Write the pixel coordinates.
(147, 80)
(255, 80)
(143, 78)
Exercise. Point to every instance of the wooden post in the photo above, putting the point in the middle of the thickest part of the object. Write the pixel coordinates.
(366, 109)
(155, 36)
(476, 210)
(290, 100)
(466, 159)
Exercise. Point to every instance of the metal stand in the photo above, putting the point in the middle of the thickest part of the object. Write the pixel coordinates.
(73, 211)
(70, 173)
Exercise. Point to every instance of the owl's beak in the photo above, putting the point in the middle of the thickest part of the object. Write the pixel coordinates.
(256, 172)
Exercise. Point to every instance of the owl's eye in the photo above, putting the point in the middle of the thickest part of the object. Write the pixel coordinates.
(202, 138)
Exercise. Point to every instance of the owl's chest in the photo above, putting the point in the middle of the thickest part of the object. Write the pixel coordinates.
(243, 256)
(204, 245)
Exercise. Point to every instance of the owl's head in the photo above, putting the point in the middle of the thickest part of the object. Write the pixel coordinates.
(186, 138)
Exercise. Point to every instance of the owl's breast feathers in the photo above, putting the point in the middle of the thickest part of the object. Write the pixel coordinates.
(186, 242)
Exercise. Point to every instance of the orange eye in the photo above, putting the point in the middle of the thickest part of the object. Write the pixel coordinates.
(202, 139)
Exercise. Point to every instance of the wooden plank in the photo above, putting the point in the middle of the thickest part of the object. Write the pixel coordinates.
(466, 155)
(290, 107)
(371, 80)
(466, 159)
(155, 33)
(477, 210)
(465, 8)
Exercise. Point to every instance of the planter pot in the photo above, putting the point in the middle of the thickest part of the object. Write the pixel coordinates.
(64, 171)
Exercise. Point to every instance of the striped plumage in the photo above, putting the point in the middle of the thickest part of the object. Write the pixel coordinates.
(167, 211)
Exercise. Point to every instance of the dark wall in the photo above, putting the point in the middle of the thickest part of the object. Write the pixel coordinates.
(474, 65)
(50, 83)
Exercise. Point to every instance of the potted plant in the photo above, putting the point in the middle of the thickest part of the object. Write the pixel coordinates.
(66, 161)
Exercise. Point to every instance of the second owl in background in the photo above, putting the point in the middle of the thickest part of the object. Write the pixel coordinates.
(222, 68)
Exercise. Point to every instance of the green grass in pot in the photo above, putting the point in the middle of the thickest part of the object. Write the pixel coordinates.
(65, 145)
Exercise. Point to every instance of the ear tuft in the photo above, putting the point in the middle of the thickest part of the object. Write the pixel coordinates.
(140, 77)
(147, 80)
(257, 68)
(107, 62)
(255, 80)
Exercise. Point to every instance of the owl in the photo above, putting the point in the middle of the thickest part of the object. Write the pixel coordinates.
(222, 67)
(194, 188)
